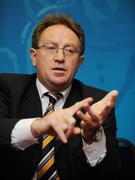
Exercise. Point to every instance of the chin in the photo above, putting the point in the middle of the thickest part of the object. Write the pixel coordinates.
(60, 85)
(59, 81)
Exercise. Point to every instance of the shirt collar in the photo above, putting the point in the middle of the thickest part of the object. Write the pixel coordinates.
(42, 89)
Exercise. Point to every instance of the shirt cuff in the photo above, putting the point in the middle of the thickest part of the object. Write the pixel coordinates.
(96, 151)
(21, 136)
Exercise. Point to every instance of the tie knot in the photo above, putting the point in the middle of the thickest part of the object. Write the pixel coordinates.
(53, 97)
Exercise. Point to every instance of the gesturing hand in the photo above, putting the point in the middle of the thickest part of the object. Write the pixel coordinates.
(96, 114)
(60, 123)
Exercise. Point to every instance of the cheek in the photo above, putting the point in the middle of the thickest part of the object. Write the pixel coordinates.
(74, 66)
(42, 61)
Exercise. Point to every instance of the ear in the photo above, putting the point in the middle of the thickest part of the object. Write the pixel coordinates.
(80, 60)
(33, 55)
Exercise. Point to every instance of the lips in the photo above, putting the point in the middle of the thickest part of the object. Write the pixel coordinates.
(59, 69)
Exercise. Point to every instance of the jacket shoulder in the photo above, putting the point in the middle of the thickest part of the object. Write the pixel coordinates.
(15, 81)
(14, 76)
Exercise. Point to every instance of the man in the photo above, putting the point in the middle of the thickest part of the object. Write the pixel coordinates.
(84, 132)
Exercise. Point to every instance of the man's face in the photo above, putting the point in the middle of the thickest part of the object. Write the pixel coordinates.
(56, 68)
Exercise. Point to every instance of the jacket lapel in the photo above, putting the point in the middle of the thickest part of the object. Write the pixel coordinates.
(30, 104)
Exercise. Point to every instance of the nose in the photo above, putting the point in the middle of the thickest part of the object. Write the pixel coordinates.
(59, 55)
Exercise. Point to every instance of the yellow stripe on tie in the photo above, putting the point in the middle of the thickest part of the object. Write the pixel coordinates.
(45, 168)
(47, 141)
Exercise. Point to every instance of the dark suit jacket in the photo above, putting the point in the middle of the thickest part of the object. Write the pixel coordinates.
(19, 99)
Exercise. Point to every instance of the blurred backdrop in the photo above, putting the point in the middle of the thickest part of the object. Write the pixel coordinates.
(109, 26)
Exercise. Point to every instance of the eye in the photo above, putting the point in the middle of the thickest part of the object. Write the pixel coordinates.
(70, 50)
(50, 47)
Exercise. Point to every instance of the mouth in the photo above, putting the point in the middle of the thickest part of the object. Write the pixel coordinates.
(59, 69)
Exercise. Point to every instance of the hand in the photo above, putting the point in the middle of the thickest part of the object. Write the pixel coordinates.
(60, 123)
(96, 114)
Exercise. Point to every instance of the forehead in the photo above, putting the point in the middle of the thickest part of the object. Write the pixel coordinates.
(59, 33)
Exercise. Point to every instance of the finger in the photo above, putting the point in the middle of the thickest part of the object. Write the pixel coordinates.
(71, 123)
(81, 105)
(101, 109)
(87, 118)
(76, 131)
(83, 116)
(106, 104)
(114, 92)
(60, 133)
(111, 97)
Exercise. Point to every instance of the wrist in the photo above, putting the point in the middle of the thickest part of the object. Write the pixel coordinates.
(36, 131)
(94, 136)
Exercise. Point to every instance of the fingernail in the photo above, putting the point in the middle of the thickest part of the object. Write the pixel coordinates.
(65, 141)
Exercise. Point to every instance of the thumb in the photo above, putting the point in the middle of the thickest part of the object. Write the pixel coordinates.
(85, 103)
(111, 96)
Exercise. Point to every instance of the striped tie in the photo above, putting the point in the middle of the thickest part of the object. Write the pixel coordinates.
(46, 168)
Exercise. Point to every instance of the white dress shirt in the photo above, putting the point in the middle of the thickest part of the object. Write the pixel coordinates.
(22, 137)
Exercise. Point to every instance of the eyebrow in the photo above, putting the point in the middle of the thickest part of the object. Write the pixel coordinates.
(66, 45)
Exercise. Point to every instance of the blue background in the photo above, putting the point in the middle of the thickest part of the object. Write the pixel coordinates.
(109, 26)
